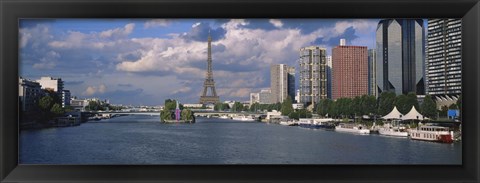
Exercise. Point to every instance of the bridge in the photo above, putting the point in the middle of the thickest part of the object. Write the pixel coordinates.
(203, 113)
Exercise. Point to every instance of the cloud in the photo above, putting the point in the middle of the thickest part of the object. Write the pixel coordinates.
(156, 23)
(242, 53)
(277, 23)
(118, 32)
(92, 90)
(200, 31)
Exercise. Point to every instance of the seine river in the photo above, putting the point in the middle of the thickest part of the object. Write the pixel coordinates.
(143, 140)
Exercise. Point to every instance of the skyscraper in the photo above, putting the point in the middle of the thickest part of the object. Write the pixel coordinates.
(313, 75)
(329, 77)
(372, 72)
(400, 56)
(350, 71)
(444, 57)
(282, 82)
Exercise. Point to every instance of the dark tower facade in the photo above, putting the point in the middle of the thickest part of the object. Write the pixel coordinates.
(209, 84)
(400, 56)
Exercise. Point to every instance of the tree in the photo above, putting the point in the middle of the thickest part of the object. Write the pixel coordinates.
(187, 115)
(385, 102)
(57, 110)
(428, 107)
(459, 102)
(401, 101)
(237, 106)
(453, 106)
(369, 104)
(165, 115)
(287, 107)
(444, 111)
(324, 106)
(356, 106)
(46, 103)
(412, 100)
(293, 115)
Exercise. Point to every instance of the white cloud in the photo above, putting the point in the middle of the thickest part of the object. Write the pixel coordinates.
(196, 24)
(156, 23)
(118, 32)
(277, 23)
(92, 90)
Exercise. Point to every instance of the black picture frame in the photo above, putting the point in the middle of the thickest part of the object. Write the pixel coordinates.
(11, 11)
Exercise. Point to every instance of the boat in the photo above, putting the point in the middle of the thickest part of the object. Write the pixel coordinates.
(316, 123)
(390, 130)
(224, 117)
(243, 118)
(352, 128)
(432, 133)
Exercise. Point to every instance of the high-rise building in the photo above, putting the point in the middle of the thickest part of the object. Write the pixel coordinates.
(29, 94)
(329, 77)
(313, 75)
(66, 98)
(254, 98)
(400, 56)
(444, 58)
(282, 78)
(372, 72)
(265, 97)
(350, 71)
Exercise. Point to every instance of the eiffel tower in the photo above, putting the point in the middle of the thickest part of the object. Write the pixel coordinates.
(209, 82)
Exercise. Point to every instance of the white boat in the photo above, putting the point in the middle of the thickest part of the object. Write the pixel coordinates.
(224, 117)
(352, 128)
(390, 130)
(243, 118)
(432, 133)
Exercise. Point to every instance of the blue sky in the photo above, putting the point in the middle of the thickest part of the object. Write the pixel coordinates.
(145, 61)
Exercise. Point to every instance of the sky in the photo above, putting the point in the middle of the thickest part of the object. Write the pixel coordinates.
(145, 61)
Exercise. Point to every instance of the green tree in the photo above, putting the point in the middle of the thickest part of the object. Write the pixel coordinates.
(293, 115)
(453, 106)
(356, 106)
(324, 106)
(303, 113)
(287, 107)
(187, 114)
(428, 107)
(444, 111)
(237, 106)
(57, 110)
(369, 104)
(412, 100)
(402, 104)
(46, 103)
(385, 102)
(343, 107)
(165, 115)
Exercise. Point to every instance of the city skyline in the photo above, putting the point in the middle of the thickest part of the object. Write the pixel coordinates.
(143, 62)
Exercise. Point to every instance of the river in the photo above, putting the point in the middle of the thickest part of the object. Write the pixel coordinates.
(143, 140)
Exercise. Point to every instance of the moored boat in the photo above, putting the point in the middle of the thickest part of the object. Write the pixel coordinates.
(243, 118)
(432, 133)
(352, 128)
(389, 130)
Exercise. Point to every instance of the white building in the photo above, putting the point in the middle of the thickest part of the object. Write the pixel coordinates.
(55, 84)
(79, 104)
(254, 98)
(265, 96)
(282, 82)
(297, 106)
(193, 105)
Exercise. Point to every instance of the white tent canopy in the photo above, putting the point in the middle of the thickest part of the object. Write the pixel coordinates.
(394, 114)
(413, 114)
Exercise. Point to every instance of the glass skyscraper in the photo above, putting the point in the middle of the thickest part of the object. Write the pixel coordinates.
(400, 56)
